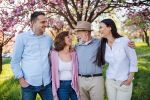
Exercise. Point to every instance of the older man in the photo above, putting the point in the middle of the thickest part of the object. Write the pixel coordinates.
(91, 81)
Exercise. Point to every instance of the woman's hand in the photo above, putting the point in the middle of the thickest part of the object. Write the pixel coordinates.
(126, 82)
(129, 80)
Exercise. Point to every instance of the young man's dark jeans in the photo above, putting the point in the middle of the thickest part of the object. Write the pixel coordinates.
(30, 92)
(66, 91)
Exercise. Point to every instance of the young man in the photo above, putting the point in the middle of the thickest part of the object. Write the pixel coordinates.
(30, 62)
(91, 81)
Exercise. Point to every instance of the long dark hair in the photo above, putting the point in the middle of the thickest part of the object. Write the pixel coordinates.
(59, 42)
(100, 57)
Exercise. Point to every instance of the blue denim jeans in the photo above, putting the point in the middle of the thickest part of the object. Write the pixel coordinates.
(30, 92)
(66, 91)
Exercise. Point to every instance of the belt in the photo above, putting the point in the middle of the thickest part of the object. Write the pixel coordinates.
(92, 75)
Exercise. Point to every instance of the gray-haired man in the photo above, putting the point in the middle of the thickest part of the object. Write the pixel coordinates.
(91, 81)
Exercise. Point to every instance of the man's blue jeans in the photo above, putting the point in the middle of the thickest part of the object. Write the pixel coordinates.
(30, 92)
(66, 91)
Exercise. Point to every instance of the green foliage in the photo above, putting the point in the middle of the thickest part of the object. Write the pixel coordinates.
(6, 60)
(142, 25)
(137, 21)
(9, 87)
(10, 90)
(6, 73)
(128, 22)
(141, 88)
(142, 48)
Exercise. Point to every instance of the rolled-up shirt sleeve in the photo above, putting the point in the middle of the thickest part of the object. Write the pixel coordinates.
(17, 56)
(132, 58)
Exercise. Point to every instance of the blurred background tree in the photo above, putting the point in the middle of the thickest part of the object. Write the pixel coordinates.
(141, 20)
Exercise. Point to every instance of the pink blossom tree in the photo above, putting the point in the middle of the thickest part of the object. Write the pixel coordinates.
(14, 18)
(14, 13)
(11, 16)
(87, 10)
(141, 20)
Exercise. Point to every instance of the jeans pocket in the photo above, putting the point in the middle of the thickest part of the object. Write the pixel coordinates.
(26, 86)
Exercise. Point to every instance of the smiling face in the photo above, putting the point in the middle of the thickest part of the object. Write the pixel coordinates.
(40, 24)
(83, 35)
(63, 40)
(104, 30)
(68, 40)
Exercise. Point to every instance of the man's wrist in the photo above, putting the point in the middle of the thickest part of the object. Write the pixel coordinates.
(21, 78)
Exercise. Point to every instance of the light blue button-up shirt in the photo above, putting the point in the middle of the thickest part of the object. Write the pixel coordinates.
(86, 57)
(121, 58)
(30, 58)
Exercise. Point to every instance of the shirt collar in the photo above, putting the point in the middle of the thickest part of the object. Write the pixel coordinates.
(117, 40)
(32, 33)
(88, 42)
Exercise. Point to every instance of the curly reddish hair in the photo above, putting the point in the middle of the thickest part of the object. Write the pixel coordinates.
(59, 42)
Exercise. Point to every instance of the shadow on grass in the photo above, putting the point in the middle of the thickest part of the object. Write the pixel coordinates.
(10, 90)
(142, 50)
(141, 90)
(6, 60)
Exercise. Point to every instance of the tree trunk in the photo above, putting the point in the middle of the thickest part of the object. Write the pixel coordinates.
(147, 40)
(142, 38)
(0, 59)
(146, 37)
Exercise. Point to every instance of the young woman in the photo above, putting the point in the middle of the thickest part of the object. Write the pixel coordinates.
(121, 58)
(64, 68)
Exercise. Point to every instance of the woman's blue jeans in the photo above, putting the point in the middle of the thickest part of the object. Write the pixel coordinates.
(66, 92)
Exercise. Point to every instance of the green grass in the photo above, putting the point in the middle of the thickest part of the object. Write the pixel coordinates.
(141, 48)
(6, 60)
(142, 81)
(141, 90)
(10, 88)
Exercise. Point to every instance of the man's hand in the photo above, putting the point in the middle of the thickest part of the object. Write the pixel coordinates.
(131, 44)
(23, 82)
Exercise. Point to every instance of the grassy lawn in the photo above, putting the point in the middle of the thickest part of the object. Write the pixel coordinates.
(10, 88)
(142, 81)
(141, 48)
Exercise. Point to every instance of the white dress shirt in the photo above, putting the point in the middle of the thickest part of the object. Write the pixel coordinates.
(121, 58)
